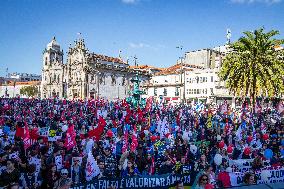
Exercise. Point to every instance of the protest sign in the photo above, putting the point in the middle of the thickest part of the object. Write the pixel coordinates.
(157, 181)
(58, 162)
(14, 155)
(44, 131)
(37, 162)
(78, 159)
(52, 136)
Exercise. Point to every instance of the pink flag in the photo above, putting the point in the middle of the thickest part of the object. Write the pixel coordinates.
(280, 107)
(258, 108)
(152, 167)
(125, 142)
(134, 143)
(27, 140)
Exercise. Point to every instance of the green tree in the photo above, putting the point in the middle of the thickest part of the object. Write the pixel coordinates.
(29, 91)
(255, 67)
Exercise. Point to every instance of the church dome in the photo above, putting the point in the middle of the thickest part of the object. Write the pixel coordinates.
(53, 45)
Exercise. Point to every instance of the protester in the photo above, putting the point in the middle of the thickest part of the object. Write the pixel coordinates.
(64, 181)
(249, 179)
(52, 143)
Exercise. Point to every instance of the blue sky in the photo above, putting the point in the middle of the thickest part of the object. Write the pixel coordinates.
(149, 29)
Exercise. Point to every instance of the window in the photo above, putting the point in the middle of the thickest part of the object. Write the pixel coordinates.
(177, 91)
(194, 92)
(165, 92)
(211, 78)
(206, 79)
(197, 91)
(211, 90)
(155, 91)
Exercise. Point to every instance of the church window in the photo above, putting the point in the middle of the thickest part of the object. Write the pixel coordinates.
(54, 77)
(113, 80)
(123, 81)
(58, 78)
(45, 62)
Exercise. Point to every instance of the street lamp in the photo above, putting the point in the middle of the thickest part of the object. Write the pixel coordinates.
(182, 73)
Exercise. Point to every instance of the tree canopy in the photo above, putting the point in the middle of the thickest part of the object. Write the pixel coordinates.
(255, 66)
(29, 91)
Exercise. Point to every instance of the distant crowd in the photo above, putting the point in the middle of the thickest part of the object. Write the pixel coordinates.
(54, 143)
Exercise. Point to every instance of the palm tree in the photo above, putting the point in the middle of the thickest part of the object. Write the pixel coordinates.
(255, 66)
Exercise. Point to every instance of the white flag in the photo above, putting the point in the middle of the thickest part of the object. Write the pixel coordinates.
(92, 169)
(280, 107)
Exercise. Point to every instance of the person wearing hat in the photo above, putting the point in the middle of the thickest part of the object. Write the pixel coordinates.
(64, 181)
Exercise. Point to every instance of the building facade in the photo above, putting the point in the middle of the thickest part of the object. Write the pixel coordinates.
(12, 88)
(169, 83)
(24, 77)
(205, 58)
(85, 74)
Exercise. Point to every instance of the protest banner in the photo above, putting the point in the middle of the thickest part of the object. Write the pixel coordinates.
(266, 175)
(243, 165)
(236, 178)
(157, 181)
(270, 175)
(44, 131)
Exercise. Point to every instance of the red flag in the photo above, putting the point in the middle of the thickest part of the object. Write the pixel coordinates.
(70, 141)
(34, 134)
(97, 132)
(20, 132)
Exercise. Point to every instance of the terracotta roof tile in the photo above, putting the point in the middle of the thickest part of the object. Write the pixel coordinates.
(107, 58)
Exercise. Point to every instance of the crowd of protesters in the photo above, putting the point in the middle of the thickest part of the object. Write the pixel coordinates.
(45, 143)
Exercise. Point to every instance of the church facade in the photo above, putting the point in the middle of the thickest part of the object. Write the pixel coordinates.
(85, 74)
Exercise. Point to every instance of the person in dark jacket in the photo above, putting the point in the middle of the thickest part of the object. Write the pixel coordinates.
(166, 167)
(10, 176)
(30, 179)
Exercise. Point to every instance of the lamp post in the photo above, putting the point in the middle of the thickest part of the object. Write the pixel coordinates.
(182, 73)
(118, 91)
(6, 91)
(98, 84)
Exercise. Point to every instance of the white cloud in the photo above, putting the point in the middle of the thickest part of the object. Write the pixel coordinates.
(145, 45)
(139, 45)
(129, 1)
(256, 1)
